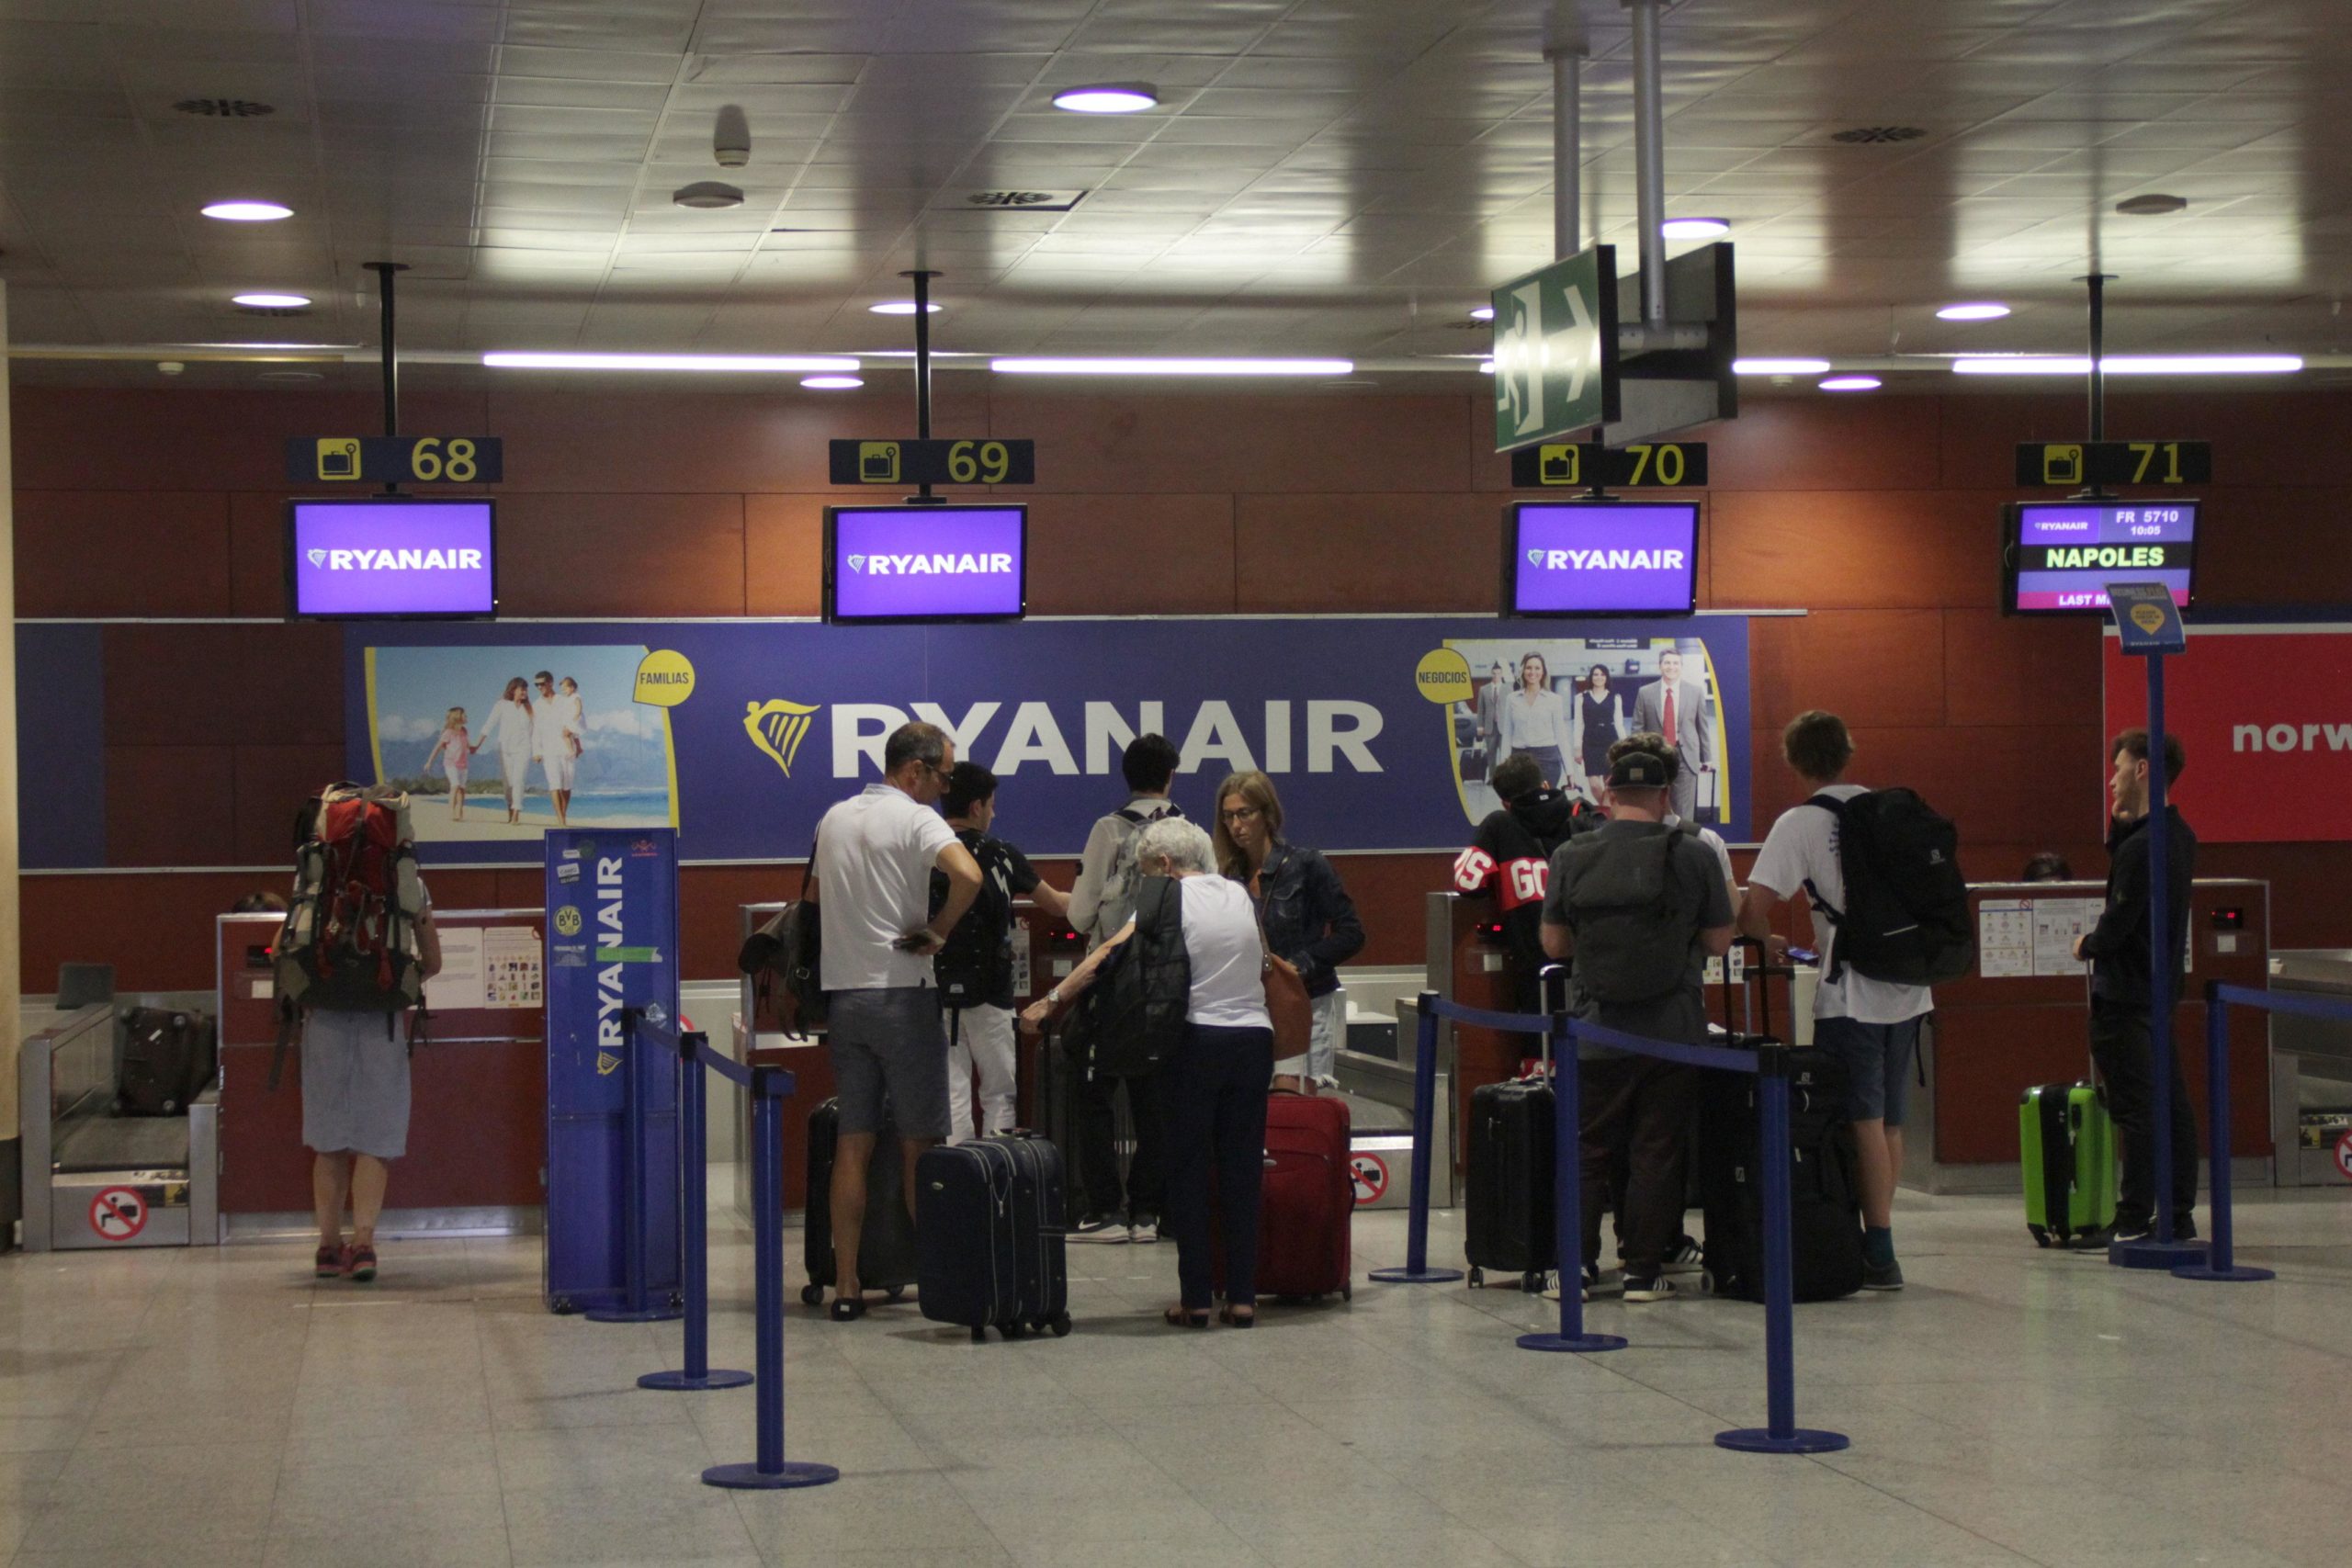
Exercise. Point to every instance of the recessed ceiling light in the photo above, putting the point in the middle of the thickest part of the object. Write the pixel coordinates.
(2152, 204)
(903, 308)
(1049, 366)
(1851, 384)
(1778, 366)
(247, 212)
(1977, 310)
(270, 302)
(1483, 313)
(2132, 365)
(1108, 97)
(832, 383)
(708, 195)
(717, 363)
(1486, 366)
(1694, 228)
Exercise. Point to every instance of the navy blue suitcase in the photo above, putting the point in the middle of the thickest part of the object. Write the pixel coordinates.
(885, 1248)
(988, 1236)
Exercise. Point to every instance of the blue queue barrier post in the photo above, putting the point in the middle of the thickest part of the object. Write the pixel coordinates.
(1417, 1270)
(1781, 1434)
(2221, 1265)
(770, 1471)
(693, 1242)
(1567, 1184)
(636, 1305)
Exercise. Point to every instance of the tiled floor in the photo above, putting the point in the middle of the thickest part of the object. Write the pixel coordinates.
(193, 1409)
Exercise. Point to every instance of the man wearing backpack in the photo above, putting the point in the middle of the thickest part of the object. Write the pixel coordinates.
(1100, 905)
(1857, 854)
(975, 968)
(1639, 907)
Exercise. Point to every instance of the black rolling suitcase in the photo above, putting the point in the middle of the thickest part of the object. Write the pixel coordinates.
(1509, 1214)
(169, 1058)
(885, 1248)
(988, 1236)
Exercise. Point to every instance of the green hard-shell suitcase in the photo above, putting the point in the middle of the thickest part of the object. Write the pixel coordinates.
(2066, 1144)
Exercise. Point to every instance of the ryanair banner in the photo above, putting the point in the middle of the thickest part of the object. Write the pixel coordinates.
(1380, 733)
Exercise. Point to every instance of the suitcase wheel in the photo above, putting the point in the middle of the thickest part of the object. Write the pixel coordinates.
(1010, 1329)
(1061, 1324)
(898, 1292)
(1477, 1277)
(1348, 1292)
(1532, 1281)
(980, 1337)
(812, 1295)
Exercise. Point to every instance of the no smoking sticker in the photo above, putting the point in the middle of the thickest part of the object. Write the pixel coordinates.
(117, 1213)
(1369, 1174)
(2343, 1156)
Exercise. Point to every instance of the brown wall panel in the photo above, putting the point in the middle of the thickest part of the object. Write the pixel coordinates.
(92, 439)
(784, 544)
(2016, 670)
(2000, 786)
(122, 553)
(257, 554)
(1855, 550)
(1323, 553)
(620, 555)
(272, 783)
(2284, 547)
(1130, 554)
(1872, 668)
(1164, 444)
(1828, 443)
(170, 806)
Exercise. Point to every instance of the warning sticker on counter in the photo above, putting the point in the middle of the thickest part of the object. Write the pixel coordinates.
(117, 1213)
(511, 969)
(1369, 1173)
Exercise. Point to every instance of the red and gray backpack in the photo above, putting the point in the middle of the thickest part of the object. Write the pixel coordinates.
(349, 943)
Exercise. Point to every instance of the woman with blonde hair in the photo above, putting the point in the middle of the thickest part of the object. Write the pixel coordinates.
(1309, 918)
(455, 755)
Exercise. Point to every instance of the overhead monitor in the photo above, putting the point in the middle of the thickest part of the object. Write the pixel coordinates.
(926, 563)
(2061, 554)
(392, 558)
(1602, 557)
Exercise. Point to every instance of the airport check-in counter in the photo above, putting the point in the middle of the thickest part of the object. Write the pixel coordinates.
(2311, 1072)
(477, 1141)
(2022, 1017)
(96, 1180)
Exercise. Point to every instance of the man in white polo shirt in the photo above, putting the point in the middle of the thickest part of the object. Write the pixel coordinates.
(876, 852)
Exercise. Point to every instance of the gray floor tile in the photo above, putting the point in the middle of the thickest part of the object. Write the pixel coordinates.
(670, 1521)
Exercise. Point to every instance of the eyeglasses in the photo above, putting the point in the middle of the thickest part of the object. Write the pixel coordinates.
(1238, 814)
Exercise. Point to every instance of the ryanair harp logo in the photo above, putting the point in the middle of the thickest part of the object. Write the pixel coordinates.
(777, 728)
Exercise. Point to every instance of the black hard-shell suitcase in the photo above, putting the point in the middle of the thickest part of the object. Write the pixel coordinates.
(1509, 1214)
(1825, 1182)
(885, 1248)
(988, 1236)
(169, 1058)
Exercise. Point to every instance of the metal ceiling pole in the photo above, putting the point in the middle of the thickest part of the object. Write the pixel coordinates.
(1567, 148)
(1649, 160)
(922, 364)
(386, 351)
(2097, 283)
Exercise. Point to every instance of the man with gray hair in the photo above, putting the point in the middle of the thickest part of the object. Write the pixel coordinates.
(876, 852)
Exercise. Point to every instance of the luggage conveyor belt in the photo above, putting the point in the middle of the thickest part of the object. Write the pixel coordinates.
(2311, 1073)
(94, 1181)
(1375, 1072)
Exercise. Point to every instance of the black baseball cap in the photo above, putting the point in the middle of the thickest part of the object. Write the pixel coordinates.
(1637, 770)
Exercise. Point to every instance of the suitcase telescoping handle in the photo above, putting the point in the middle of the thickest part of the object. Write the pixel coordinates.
(1760, 971)
(1551, 987)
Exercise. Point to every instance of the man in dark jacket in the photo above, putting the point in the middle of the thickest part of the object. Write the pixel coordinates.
(1510, 857)
(2121, 1040)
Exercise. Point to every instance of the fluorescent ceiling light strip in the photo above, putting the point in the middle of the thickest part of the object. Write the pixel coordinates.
(799, 363)
(1037, 366)
(2134, 365)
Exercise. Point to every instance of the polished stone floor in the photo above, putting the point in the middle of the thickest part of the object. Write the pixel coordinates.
(191, 1408)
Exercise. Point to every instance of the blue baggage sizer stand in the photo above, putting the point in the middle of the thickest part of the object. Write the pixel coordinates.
(611, 1232)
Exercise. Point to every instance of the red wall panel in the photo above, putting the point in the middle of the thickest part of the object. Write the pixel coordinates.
(561, 554)
(122, 553)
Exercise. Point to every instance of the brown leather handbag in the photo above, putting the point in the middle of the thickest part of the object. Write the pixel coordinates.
(1286, 1000)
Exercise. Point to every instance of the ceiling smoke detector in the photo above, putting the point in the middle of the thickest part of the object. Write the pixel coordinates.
(224, 108)
(708, 195)
(1866, 134)
(730, 137)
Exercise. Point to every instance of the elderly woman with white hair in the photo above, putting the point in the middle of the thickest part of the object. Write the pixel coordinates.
(1212, 1088)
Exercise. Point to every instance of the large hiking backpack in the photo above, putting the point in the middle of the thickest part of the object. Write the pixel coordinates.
(349, 942)
(1132, 1017)
(1117, 901)
(974, 967)
(1906, 919)
(1634, 933)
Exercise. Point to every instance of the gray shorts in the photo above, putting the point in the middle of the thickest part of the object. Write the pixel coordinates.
(355, 1083)
(1878, 1065)
(889, 1041)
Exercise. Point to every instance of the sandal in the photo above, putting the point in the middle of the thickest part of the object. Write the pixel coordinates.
(1238, 1317)
(333, 1263)
(846, 1309)
(1187, 1317)
(361, 1261)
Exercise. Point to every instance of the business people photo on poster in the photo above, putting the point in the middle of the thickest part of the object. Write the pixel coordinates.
(1565, 701)
(502, 743)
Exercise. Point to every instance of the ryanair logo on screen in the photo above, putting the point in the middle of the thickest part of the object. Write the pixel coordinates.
(396, 561)
(1605, 560)
(778, 728)
(937, 565)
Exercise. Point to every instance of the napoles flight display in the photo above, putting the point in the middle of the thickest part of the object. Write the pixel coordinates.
(2061, 554)
(926, 563)
(1602, 558)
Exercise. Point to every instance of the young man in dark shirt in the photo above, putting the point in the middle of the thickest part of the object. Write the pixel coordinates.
(2121, 1040)
(980, 1034)
(1510, 858)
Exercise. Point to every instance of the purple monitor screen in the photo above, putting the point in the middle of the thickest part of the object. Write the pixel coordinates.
(893, 563)
(1603, 558)
(392, 558)
(2067, 552)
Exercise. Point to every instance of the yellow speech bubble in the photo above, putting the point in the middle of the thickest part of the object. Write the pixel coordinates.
(2148, 618)
(1443, 676)
(664, 679)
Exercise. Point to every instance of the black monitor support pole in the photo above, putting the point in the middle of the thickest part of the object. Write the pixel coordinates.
(387, 353)
(923, 375)
(2097, 283)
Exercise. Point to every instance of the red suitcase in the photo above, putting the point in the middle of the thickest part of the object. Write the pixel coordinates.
(1308, 1206)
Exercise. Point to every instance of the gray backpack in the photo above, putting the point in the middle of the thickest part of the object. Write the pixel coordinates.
(1633, 922)
(1118, 900)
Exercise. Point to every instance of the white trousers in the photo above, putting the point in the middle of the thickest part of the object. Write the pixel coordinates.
(981, 1037)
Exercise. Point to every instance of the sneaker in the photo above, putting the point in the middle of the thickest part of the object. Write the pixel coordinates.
(1886, 1275)
(331, 1262)
(1650, 1288)
(1144, 1228)
(1099, 1228)
(362, 1263)
(1685, 1257)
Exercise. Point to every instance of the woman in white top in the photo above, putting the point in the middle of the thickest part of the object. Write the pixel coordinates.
(1214, 1089)
(1535, 721)
(510, 724)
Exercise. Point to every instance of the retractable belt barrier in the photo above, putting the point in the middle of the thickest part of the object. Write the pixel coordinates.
(2220, 1262)
(768, 1087)
(1768, 1063)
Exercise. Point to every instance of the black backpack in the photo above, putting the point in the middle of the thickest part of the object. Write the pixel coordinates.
(974, 967)
(1634, 933)
(1906, 919)
(1132, 1017)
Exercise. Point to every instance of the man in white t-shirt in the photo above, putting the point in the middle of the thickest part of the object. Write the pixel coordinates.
(1872, 1026)
(552, 731)
(871, 883)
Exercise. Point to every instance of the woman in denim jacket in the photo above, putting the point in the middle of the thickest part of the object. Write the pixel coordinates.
(1309, 918)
